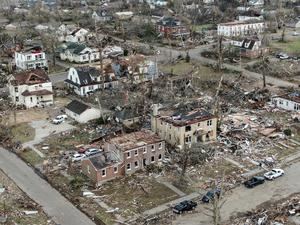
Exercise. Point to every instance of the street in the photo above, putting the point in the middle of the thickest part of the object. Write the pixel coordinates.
(52, 202)
(243, 199)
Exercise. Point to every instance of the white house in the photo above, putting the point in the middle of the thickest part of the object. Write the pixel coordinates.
(78, 53)
(289, 102)
(77, 35)
(81, 112)
(31, 88)
(31, 58)
(240, 28)
(256, 3)
(86, 80)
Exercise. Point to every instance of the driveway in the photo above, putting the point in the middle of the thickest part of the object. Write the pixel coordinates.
(52, 202)
(243, 199)
(43, 129)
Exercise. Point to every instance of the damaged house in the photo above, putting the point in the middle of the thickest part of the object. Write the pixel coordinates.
(86, 80)
(170, 27)
(130, 152)
(289, 102)
(81, 112)
(31, 88)
(184, 127)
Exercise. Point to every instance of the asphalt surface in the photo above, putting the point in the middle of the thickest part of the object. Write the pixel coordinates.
(243, 199)
(53, 203)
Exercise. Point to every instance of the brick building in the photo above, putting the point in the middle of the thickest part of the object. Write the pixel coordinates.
(123, 155)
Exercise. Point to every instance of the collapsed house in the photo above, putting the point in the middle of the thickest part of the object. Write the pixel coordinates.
(184, 127)
(123, 155)
(289, 102)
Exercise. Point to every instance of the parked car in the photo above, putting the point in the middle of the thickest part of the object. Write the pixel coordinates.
(92, 151)
(59, 119)
(211, 194)
(184, 206)
(254, 181)
(77, 157)
(273, 174)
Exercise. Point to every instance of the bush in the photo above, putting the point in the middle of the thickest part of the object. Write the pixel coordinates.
(287, 132)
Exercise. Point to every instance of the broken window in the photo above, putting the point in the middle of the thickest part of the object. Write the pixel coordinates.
(188, 139)
(115, 169)
(128, 166)
(135, 152)
(128, 155)
(159, 157)
(16, 89)
(160, 146)
(144, 162)
(152, 159)
(152, 147)
(144, 150)
(31, 99)
(104, 173)
(209, 122)
(188, 128)
(136, 164)
(17, 98)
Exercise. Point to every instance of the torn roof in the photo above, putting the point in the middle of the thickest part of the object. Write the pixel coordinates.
(183, 117)
(135, 140)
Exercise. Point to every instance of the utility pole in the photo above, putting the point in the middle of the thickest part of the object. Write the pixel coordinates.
(99, 43)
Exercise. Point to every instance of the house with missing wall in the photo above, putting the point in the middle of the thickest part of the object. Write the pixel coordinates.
(290, 102)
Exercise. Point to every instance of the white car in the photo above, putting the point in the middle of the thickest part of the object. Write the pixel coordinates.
(77, 157)
(59, 119)
(274, 173)
(92, 151)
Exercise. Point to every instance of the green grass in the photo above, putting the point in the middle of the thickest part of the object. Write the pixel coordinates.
(203, 27)
(292, 47)
(31, 157)
(179, 68)
(107, 218)
(23, 132)
(131, 199)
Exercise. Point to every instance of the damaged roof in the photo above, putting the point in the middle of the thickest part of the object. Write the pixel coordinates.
(182, 117)
(36, 76)
(135, 140)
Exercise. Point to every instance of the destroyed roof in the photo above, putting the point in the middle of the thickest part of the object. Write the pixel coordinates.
(75, 48)
(135, 140)
(182, 117)
(77, 107)
(39, 92)
(169, 21)
(295, 96)
(103, 160)
(126, 113)
(86, 76)
(36, 76)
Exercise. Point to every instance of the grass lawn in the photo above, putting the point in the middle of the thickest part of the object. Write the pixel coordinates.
(31, 157)
(180, 68)
(292, 47)
(203, 27)
(107, 218)
(126, 194)
(23, 132)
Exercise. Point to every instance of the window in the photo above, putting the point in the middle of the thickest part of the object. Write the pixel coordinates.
(31, 99)
(103, 172)
(28, 57)
(152, 148)
(209, 122)
(152, 159)
(188, 128)
(16, 89)
(144, 150)
(128, 155)
(115, 169)
(287, 103)
(188, 139)
(159, 157)
(280, 102)
(136, 164)
(160, 146)
(83, 57)
(144, 162)
(198, 124)
(128, 166)
(170, 137)
(136, 152)
(17, 98)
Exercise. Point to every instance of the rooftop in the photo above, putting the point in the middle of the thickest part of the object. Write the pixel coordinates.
(183, 117)
(134, 140)
(100, 161)
(77, 107)
(36, 76)
(241, 22)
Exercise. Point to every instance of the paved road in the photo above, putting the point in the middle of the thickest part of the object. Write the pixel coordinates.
(53, 203)
(243, 199)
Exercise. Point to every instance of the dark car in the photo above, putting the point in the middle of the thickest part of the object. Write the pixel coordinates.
(184, 206)
(254, 181)
(211, 195)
